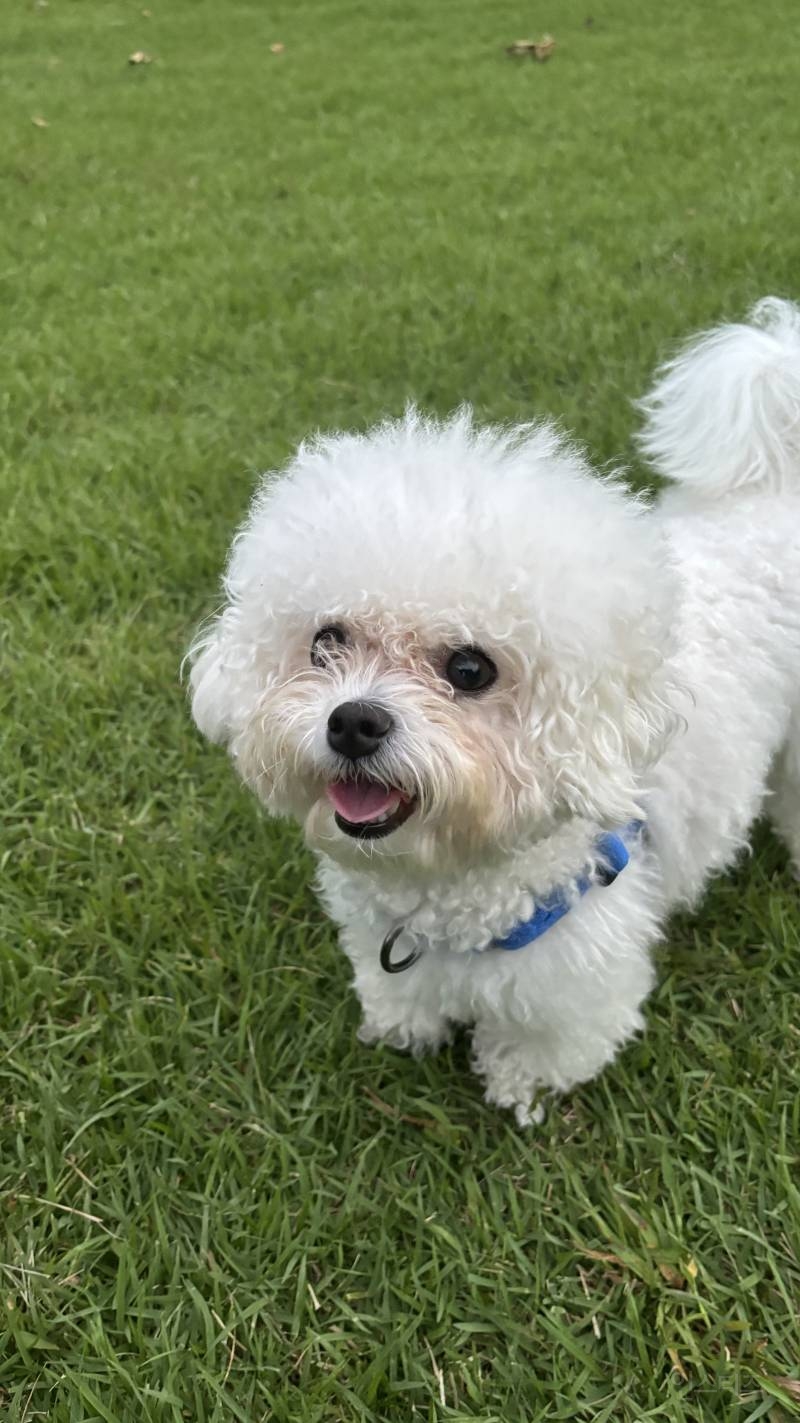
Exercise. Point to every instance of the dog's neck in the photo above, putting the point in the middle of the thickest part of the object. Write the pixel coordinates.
(467, 907)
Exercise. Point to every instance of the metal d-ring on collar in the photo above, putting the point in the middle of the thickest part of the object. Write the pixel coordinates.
(397, 965)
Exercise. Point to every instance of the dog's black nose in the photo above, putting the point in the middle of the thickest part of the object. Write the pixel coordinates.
(357, 728)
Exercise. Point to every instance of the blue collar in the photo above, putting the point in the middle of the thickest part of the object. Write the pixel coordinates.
(612, 856)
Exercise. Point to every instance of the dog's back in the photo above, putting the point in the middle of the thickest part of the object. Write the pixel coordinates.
(723, 425)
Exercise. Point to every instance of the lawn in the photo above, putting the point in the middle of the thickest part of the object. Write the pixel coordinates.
(215, 1204)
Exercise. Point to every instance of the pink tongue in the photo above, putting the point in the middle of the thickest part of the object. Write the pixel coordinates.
(361, 801)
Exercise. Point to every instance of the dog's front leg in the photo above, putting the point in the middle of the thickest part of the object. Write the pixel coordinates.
(521, 1064)
(400, 1009)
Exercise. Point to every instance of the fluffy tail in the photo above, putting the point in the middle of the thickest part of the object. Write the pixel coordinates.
(725, 413)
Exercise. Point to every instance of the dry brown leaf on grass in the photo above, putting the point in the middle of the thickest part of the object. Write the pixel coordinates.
(277, 48)
(39, 121)
(676, 1278)
(672, 1276)
(677, 1364)
(536, 49)
(427, 1122)
(140, 56)
(790, 1386)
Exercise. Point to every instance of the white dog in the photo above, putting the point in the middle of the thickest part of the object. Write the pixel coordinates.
(520, 713)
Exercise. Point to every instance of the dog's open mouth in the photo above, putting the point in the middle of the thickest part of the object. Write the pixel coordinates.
(367, 810)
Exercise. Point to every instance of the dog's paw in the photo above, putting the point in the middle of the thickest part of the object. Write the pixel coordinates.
(531, 1116)
(529, 1109)
(419, 1037)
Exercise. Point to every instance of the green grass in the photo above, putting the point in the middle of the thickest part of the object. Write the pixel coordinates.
(215, 1205)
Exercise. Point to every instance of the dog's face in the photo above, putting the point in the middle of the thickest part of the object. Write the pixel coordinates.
(438, 643)
(386, 740)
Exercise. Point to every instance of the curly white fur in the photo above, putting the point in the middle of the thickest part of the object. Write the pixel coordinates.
(725, 413)
(648, 663)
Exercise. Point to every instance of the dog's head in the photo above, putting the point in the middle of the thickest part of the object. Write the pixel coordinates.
(439, 641)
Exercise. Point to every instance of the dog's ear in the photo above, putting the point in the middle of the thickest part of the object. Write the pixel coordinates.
(600, 735)
(216, 678)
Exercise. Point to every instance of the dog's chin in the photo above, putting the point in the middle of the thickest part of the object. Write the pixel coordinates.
(405, 839)
(377, 829)
(358, 821)
(400, 831)
(365, 809)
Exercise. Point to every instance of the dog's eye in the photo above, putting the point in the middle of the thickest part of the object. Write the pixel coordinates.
(470, 670)
(325, 643)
